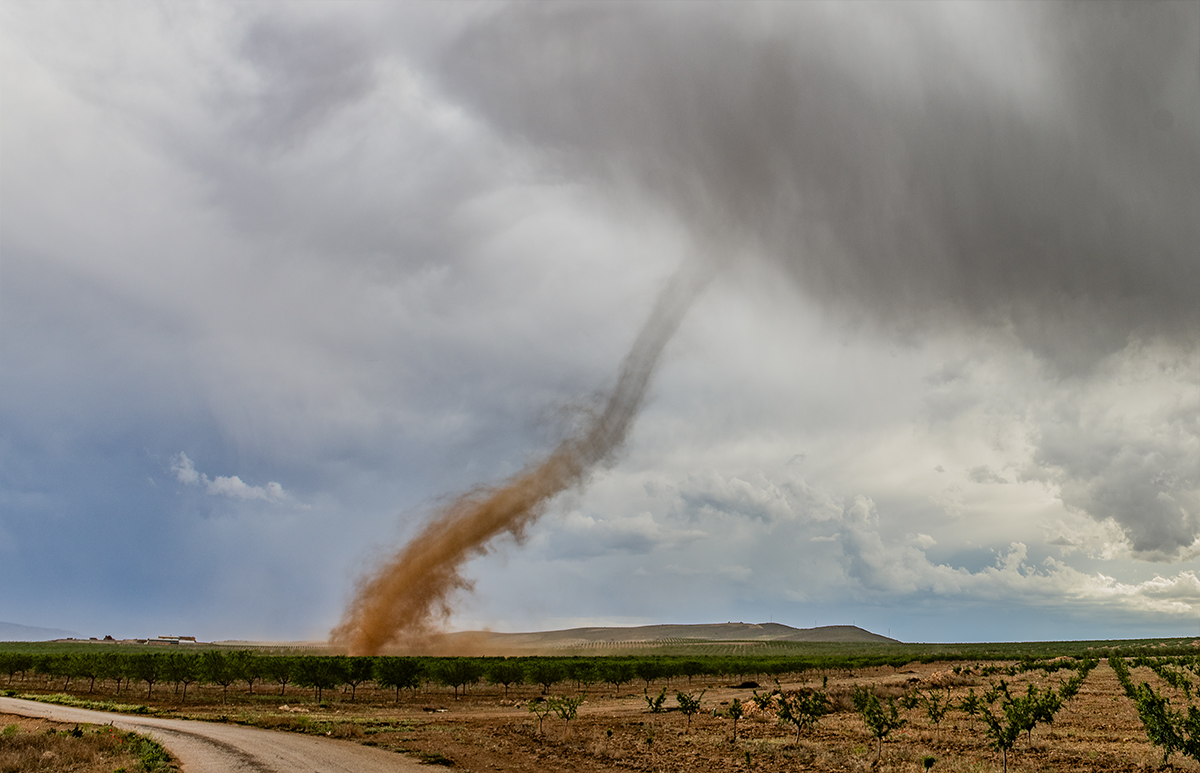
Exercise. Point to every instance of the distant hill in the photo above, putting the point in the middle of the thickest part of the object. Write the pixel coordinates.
(16, 632)
(662, 634)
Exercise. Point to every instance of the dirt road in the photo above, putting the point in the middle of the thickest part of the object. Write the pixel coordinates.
(209, 747)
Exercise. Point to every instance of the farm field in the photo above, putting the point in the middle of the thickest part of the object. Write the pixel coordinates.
(470, 721)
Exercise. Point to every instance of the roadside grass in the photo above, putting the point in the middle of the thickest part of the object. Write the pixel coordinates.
(354, 728)
(351, 728)
(81, 749)
(62, 699)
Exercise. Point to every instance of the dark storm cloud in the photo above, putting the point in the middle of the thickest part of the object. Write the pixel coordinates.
(1147, 481)
(1041, 172)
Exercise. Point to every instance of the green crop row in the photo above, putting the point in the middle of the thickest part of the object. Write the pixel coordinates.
(1168, 727)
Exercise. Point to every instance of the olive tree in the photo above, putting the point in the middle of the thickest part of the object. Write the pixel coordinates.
(506, 672)
(181, 668)
(358, 670)
(880, 721)
(398, 673)
(457, 672)
(148, 668)
(735, 713)
(689, 705)
(566, 708)
(320, 673)
(280, 669)
(217, 668)
(803, 709)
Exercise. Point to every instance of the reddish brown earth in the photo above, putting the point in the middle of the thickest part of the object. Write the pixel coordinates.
(1097, 731)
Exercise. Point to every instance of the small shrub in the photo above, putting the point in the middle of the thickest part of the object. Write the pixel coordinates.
(970, 704)
(880, 721)
(346, 730)
(688, 704)
(735, 713)
(541, 710)
(936, 707)
(803, 709)
(566, 707)
(152, 756)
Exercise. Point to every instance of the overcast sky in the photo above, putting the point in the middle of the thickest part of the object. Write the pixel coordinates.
(278, 278)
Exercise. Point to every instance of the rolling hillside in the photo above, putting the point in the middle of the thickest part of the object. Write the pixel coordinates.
(575, 638)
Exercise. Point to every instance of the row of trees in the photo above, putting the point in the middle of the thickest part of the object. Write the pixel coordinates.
(210, 667)
(1170, 728)
(226, 668)
(1172, 671)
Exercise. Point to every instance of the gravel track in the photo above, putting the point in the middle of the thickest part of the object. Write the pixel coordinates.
(210, 747)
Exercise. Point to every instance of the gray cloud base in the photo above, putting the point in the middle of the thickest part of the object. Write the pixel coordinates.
(377, 253)
(908, 182)
(877, 154)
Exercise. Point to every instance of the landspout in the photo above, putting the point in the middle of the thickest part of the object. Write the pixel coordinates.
(407, 599)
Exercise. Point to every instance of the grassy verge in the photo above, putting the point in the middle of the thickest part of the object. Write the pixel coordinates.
(351, 728)
(356, 728)
(62, 699)
(84, 749)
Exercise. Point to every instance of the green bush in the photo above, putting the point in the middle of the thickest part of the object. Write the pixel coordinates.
(880, 721)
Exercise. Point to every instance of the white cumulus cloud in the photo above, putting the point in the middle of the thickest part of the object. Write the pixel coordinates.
(226, 486)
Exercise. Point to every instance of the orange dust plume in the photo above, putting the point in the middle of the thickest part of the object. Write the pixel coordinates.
(406, 599)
